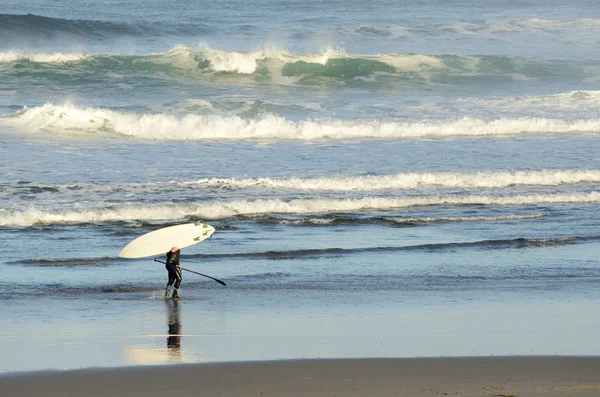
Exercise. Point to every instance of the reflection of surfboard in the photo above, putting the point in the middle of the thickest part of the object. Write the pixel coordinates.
(162, 240)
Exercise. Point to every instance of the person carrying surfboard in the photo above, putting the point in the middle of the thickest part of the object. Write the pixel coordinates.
(174, 268)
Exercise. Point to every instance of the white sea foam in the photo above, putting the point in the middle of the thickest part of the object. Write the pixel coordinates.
(230, 61)
(321, 58)
(416, 180)
(219, 210)
(312, 221)
(73, 120)
(274, 59)
(180, 56)
(401, 220)
(200, 103)
(13, 56)
(410, 62)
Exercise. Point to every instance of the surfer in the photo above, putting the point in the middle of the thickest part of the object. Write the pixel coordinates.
(174, 269)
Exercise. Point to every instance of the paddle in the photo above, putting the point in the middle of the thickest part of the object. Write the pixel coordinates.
(200, 274)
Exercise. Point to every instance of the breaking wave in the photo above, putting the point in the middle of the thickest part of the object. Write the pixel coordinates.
(223, 210)
(71, 120)
(276, 63)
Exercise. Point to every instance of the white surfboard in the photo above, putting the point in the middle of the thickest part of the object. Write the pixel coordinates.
(162, 240)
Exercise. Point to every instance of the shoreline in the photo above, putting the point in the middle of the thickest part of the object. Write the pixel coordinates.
(465, 376)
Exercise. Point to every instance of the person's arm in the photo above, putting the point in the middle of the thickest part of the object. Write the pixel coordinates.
(177, 259)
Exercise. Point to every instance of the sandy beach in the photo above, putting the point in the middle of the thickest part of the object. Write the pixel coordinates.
(481, 376)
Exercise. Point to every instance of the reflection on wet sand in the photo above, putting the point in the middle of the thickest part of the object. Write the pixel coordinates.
(174, 338)
(156, 353)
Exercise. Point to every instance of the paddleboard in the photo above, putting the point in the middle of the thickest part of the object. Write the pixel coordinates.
(162, 240)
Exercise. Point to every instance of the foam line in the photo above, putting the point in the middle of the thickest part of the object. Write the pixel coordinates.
(73, 120)
(488, 179)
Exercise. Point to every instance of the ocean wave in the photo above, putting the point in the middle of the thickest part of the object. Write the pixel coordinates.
(70, 120)
(336, 63)
(223, 210)
(266, 61)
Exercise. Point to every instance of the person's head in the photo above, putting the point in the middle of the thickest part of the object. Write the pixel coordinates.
(174, 249)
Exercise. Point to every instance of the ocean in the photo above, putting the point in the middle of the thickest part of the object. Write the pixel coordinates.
(387, 179)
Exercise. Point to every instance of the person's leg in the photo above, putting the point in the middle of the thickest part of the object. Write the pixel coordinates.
(178, 276)
(172, 279)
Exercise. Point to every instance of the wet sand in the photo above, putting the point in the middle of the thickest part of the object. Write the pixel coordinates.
(481, 376)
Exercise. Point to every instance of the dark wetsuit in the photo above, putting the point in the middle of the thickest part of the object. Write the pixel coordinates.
(174, 272)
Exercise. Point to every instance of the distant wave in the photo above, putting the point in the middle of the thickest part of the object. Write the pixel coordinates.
(221, 210)
(280, 65)
(31, 24)
(275, 61)
(72, 120)
(36, 25)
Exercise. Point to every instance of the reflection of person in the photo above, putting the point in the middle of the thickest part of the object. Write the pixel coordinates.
(174, 338)
(174, 269)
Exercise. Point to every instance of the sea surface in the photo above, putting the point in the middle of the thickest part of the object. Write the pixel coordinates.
(387, 179)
